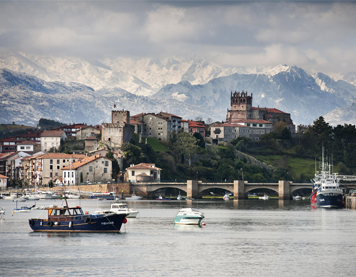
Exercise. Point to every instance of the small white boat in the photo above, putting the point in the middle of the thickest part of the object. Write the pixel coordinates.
(10, 197)
(179, 197)
(297, 197)
(264, 197)
(122, 208)
(21, 199)
(134, 197)
(188, 216)
(23, 209)
(33, 197)
(226, 197)
(2, 211)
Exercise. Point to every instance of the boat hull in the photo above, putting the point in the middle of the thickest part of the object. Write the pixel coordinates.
(188, 220)
(329, 200)
(86, 223)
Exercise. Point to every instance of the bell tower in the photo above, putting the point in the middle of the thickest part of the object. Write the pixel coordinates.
(241, 106)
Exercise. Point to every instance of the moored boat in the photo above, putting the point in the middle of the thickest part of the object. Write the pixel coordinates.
(264, 197)
(122, 208)
(72, 219)
(297, 197)
(102, 195)
(226, 196)
(326, 190)
(188, 216)
(134, 197)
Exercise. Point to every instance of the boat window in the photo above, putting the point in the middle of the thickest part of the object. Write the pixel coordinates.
(54, 212)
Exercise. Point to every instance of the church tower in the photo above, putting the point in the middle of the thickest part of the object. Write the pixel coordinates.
(241, 107)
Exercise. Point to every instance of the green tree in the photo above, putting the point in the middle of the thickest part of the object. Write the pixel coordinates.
(186, 146)
(115, 165)
(200, 140)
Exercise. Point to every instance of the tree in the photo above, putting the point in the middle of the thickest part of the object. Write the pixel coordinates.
(286, 134)
(200, 140)
(279, 127)
(186, 145)
(115, 164)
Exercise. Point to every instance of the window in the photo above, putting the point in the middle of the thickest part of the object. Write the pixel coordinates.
(133, 173)
(64, 174)
(72, 174)
(58, 162)
(90, 168)
(50, 174)
(64, 161)
(105, 170)
(51, 167)
(22, 147)
(57, 166)
(106, 163)
(50, 161)
(56, 174)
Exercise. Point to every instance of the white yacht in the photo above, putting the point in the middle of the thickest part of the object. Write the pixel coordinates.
(188, 216)
(134, 197)
(122, 208)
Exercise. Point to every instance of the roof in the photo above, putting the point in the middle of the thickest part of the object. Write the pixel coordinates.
(52, 133)
(91, 138)
(270, 110)
(169, 114)
(144, 166)
(259, 121)
(3, 177)
(229, 125)
(27, 142)
(62, 156)
(196, 124)
(82, 162)
(135, 122)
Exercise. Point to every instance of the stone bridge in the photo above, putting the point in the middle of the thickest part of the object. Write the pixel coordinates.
(239, 188)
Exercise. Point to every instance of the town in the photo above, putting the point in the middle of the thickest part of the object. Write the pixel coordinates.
(35, 158)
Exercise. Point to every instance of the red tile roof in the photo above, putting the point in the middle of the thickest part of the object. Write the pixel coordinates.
(52, 133)
(259, 121)
(143, 166)
(82, 162)
(270, 110)
(62, 156)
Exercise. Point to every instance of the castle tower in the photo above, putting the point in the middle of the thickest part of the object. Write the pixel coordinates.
(241, 106)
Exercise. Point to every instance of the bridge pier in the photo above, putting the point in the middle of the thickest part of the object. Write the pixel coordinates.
(192, 189)
(284, 190)
(239, 189)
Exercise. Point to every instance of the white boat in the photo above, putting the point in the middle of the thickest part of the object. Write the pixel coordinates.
(297, 197)
(72, 196)
(179, 197)
(21, 199)
(134, 197)
(2, 211)
(188, 216)
(264, 197)
(122, 208)
(48, 195)
(33, 197)
(23, 209)
(10, 197)
(226, 197)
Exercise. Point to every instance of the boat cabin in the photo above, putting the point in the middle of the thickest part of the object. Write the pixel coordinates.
(64, 213)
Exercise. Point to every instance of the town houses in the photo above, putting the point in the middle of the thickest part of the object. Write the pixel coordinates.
(37, 158)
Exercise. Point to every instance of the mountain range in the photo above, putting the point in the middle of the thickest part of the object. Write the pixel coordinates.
(77, 90)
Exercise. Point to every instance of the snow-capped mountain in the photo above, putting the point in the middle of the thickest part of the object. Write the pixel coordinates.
(71, 89)
(342, 116)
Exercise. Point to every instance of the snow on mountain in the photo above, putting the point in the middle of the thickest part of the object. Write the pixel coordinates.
(342, 116)
(291, 90)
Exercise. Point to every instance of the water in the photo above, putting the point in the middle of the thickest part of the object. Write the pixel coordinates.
(241, 238)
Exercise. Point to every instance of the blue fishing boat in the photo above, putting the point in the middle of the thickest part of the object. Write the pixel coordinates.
(73, 219)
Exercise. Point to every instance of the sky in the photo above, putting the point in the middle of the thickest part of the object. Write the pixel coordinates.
(317, 36)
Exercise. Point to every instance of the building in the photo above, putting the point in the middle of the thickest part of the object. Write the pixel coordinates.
(91, 144)
(42, 168)
(3, 182)
(242, 109)
(196, 127)
(226, 132)
(160, 126)
(143, 172)
(10, 144)
(118, 132)
(88, 131)
(118, 156)
(90, 169)
(51, 139)
(29, 146)
(71, 130)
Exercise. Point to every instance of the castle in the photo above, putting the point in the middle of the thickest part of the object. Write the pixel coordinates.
(241, 109)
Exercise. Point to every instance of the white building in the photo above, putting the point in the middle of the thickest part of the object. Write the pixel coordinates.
(52, 139)
(144, 172)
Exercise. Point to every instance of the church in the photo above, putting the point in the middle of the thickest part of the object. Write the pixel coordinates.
(242, 111)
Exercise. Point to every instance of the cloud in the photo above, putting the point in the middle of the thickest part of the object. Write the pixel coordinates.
(315, 35)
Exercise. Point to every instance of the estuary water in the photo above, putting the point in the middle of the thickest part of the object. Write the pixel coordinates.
(240, 238)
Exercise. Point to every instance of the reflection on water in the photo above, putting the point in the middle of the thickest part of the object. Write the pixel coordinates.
(244, 237)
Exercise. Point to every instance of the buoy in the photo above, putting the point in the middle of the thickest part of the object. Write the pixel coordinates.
(86, 212)
(203, 224)
(124, 221)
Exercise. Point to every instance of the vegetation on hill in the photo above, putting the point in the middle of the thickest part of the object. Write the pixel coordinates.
(49, 124)
(11, 130)
(292, 157)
